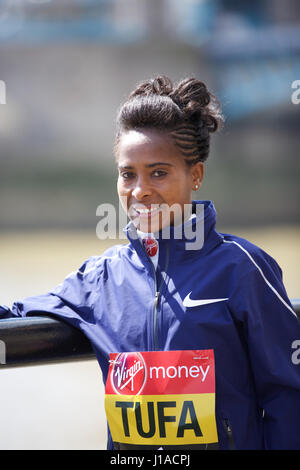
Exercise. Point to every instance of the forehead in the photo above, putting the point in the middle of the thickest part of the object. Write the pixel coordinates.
(145, 146)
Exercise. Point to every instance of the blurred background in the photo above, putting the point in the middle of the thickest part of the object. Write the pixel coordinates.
(65, 68)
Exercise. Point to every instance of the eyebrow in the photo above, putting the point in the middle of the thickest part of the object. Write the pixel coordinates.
(150, 165)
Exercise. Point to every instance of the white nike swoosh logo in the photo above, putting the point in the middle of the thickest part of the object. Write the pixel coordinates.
(188, 302)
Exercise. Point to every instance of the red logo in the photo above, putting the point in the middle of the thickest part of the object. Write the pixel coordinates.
(129, 373)
(151, 246)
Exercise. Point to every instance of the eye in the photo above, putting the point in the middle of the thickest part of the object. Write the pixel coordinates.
(159, 173)
(126, 175)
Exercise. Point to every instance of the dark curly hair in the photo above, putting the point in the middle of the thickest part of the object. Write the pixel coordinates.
(187, 111)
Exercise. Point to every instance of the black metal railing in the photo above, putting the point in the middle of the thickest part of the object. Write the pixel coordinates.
(39, 340)
(44, 339)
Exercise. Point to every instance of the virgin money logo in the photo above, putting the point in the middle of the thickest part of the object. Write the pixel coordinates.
(129, 374)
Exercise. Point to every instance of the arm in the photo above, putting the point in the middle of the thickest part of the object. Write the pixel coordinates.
(270, 328)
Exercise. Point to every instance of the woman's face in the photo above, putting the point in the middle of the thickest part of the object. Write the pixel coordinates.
(153, 176)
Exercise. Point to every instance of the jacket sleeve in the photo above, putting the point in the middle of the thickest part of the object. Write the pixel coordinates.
(72, 301)
(271, 329)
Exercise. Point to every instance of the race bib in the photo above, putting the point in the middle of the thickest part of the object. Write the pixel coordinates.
(161, 398)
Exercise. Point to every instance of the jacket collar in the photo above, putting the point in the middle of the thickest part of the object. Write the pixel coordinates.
(197, 235)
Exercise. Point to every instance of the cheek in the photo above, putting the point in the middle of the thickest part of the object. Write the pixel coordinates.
(181, 191)
(121, 187)
(122, 193)
(187, 187)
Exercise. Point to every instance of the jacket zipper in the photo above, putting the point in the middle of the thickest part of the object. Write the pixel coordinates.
(228, 429)
(155, 326)
(157, 293)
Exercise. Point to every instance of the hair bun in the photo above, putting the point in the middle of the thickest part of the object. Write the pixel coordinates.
(192, 92)
(198, 104)
(160, 85)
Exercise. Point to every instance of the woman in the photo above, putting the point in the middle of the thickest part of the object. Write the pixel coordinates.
(192, 328)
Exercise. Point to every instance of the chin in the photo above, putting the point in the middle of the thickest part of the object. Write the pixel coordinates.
(153, 224)
(148, 226)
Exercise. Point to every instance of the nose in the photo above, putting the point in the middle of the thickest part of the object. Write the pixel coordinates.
(141, 189)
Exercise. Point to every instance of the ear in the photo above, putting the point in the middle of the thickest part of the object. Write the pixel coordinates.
(197, 174)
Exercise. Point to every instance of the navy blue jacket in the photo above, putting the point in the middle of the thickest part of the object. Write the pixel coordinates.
(122, 304)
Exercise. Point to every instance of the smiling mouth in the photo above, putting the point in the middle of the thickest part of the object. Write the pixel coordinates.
(145, 211)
